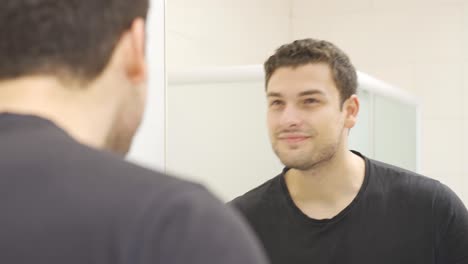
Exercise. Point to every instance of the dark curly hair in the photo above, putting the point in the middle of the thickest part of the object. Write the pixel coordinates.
(70, 39)
(305, 51)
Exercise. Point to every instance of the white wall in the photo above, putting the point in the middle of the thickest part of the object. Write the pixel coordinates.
(419, 45)
(224, 32)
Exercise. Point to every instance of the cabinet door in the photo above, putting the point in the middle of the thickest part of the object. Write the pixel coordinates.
(395, 132)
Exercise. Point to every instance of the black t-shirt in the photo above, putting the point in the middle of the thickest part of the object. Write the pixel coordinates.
(62, 202)
(398, 217)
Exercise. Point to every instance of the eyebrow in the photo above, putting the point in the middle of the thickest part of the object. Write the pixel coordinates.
(304, 93)
(311, 92)
(273, 94)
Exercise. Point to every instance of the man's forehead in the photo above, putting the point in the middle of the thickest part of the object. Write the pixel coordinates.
(303, 92)
(299, 79)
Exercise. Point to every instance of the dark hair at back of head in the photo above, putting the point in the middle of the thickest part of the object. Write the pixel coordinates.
(69, 39)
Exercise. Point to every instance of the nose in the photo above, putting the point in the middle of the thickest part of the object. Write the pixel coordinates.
(290, 117)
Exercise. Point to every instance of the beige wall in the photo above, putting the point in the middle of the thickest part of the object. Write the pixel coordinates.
(224, 32)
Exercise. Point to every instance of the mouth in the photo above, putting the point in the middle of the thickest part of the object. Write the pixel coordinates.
(293, 139)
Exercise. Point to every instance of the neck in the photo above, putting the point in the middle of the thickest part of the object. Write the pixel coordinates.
(333, 183)
(73, 109)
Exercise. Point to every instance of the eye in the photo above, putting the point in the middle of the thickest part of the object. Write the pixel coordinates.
(310, 101)
(276, 103)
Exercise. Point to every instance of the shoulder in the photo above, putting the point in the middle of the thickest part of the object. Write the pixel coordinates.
(174, 215)
(395, 180)
(414, 190)
(191, 215)
(124, 188)
(259, 197)
(178, 213)
(103, 167)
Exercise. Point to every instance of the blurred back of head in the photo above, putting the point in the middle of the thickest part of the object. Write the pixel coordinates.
(69, 39)
(80, 63)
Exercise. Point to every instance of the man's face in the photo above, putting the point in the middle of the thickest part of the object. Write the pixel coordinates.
(305, 122)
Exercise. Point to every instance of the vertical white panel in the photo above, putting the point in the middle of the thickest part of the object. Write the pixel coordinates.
(149, 144)
(360, 136)
(395, 133)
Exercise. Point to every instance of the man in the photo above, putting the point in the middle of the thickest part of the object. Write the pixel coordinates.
(72, 81)
(331, 205)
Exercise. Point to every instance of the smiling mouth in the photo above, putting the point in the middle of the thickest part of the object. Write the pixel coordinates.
(293, 139)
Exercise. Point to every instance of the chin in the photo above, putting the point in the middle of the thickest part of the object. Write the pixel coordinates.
(304, 160)
(119, 149)
(123, 151)
(296, 164)
(120, 143)
(290, 159)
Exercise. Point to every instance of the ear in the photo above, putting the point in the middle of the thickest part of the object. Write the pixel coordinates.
(136, 68)
(351, 109)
